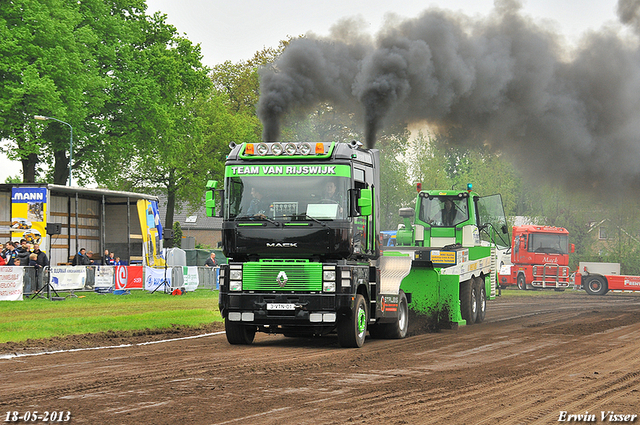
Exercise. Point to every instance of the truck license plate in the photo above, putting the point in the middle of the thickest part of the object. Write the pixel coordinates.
(281, 306)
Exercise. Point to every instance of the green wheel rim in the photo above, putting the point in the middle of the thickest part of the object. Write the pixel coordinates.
(362, 320)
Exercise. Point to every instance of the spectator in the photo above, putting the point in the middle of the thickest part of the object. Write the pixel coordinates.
(105, 258)
(42, 259)
(16, 262)
(117, 262)
(23, 252)
(112, 259)
(10, 254)
(81, 258)
(211, 261)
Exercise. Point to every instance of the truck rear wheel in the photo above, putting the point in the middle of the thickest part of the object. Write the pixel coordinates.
(468, 301)
(522, 283)
(481, 294)
(352, 330)
(397, 329)
(596, 285)
(238, 333)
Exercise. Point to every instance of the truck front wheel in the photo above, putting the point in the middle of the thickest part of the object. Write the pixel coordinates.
(352, 330)
(238, 333)
(596, 285)
(522, 283)
(468, 301)
(481, 295)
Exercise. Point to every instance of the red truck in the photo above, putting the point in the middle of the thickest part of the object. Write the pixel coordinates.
(539, 258)
(600, 278)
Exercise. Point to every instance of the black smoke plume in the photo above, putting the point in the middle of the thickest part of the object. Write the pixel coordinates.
(570, 113)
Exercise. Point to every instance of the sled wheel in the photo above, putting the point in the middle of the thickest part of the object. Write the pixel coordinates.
(468, 302)
(353, 329)
(481, 293)
(238, 333)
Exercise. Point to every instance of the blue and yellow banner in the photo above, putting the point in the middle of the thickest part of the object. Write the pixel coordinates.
(151, 233)
(29, 215)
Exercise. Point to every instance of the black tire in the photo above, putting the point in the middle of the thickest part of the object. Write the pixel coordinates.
(397, 329)
(468, 303)
(352, 329)
(481, 298)
(596, 285)
(239, 334)
(522, 283)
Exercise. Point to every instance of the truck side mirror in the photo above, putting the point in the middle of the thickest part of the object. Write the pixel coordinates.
(365, 202)
(572, 248)
(210, 198)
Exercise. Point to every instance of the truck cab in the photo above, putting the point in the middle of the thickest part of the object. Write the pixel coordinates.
(539, 257)
(451, 237)
(300, 230)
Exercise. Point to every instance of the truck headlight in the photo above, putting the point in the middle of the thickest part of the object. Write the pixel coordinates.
(235, 274)
(329, 275)
(235, 285)
(329, 286)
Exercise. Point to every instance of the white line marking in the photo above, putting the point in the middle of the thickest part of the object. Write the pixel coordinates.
(13, 356)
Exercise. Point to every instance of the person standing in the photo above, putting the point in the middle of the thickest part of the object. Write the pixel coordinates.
(81, 258)
(23, 252)
(211, 261)
(42, 259)
(10, 254)
(105, 258)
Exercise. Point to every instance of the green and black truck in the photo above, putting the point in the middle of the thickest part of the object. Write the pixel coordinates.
(301, 233)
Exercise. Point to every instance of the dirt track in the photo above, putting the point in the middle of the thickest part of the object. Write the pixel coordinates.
(532, 359)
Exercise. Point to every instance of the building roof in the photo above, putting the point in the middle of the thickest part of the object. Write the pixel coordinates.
(186, 215)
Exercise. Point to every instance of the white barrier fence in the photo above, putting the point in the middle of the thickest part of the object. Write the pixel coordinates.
(18, 282)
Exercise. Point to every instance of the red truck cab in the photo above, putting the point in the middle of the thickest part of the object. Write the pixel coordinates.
(539, 257)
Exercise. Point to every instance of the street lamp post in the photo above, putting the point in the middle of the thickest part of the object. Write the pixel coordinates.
(43, 118)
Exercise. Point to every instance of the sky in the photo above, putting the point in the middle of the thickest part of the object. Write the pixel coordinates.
(235, 30)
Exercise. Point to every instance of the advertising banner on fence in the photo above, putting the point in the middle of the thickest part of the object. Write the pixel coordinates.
(190, 278)
(128, 277)
(29, 215)
(11, 281)
(155, 277)
(104, 277)
(67, 278)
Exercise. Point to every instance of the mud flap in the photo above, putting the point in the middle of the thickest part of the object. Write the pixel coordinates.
(435, 297)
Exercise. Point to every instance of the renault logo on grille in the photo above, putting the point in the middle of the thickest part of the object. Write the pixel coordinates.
(282, 279)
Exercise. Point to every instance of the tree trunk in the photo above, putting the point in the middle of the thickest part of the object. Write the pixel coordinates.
(171, 205)
(61, 168)
(29, 168)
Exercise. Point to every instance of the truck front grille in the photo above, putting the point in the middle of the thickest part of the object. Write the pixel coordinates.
(270, 275)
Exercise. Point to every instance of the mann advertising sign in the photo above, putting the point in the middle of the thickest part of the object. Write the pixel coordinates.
(29, 214)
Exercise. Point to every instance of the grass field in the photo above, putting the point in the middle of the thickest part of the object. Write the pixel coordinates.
(91, 312)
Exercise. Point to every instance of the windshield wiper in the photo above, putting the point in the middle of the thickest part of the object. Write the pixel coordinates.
(264, 217)
(313, 218)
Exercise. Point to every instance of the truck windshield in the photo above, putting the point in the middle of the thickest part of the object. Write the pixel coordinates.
(443, 211)
(286, 198)
(549, 243)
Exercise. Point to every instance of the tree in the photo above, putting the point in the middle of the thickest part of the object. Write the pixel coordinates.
(57, 60)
